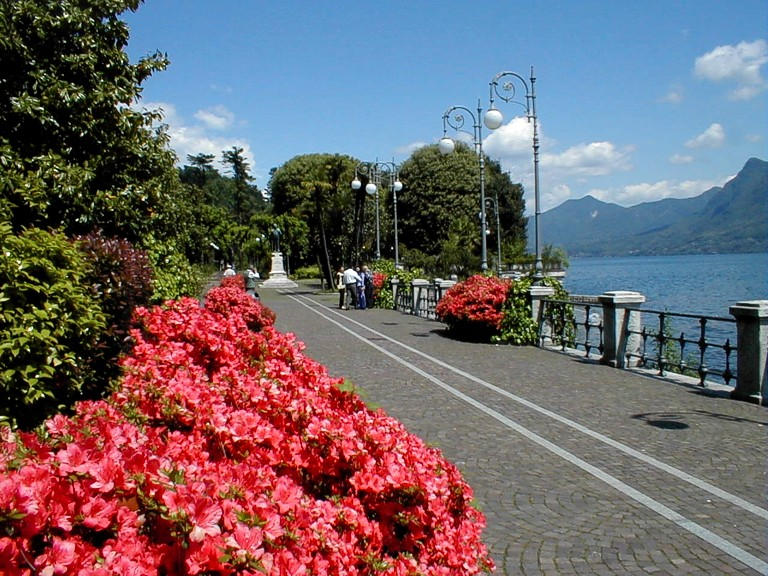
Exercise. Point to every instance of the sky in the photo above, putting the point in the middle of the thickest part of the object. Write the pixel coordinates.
(635, 101)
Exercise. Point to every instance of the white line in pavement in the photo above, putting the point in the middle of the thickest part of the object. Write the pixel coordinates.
(707, 535)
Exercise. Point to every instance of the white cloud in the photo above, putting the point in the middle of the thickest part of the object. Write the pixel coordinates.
(712, 137)
(754, 138)
(408, 149)
(680, 159)
(740, 64)
(513, 139)
(651, 191)
(216, 118)
(192, 139)
(592, 159)
(674, 95)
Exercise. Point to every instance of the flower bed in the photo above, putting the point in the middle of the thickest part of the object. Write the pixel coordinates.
(474, 308)
(227, 451)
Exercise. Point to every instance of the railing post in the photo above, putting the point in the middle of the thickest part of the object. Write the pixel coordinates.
(752, 343)
(419, 287)
(538, 294)
(395, 282)
(442, 286)
(617, 323)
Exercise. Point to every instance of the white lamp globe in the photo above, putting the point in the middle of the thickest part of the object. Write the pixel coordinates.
(446, 145)
(356, 184)
(398, 185)
(370, 188)
(493, 119)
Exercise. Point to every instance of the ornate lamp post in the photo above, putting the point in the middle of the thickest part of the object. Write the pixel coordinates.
(374, 171)
(495, 201)
(493, 119)
(447, 145)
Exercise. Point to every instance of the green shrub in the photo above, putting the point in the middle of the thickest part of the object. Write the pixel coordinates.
(383, 273)
(50, 324)
(307, 273)
(517, 325)
(174, 276)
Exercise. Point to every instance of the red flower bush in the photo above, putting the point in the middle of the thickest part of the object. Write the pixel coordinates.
(227, 451)
(476, 305)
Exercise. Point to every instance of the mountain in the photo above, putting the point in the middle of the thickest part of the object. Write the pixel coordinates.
(731, 218)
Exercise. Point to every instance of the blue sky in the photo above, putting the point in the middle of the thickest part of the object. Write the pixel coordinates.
(636, 101)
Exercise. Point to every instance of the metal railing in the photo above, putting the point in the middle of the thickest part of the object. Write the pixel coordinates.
(701, 355)
(576, 323)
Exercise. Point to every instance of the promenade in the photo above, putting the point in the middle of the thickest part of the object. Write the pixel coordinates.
(579, 468)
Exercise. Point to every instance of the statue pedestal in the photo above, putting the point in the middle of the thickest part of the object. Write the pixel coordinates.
(277, 276)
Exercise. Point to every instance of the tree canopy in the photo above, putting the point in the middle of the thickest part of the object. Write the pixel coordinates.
(439, 208)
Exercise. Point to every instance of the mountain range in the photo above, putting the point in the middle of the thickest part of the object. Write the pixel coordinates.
(731, 218)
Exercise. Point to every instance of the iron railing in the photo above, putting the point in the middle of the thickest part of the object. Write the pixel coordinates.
(701, 356)
(576, 323)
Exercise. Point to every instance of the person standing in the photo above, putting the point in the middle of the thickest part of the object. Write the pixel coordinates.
(251, 276)
(351, 279)
(340, 286)
(360, 291)
(368, 286)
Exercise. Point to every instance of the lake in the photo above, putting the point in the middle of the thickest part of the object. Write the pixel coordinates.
(705, 284)
(697, 284)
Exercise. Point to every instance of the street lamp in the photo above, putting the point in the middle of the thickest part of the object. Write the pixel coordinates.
(493, 119)
(374, 171)
(495, 201)
(446, 145)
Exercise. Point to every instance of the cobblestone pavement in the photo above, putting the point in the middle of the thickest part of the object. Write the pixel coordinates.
(579, 468)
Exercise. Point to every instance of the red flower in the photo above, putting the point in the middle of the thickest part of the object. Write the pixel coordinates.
(226, 450)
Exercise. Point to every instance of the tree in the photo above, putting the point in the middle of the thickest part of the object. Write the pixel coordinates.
(246, 199)
(439, 208)
(314, 188)
(76, 154)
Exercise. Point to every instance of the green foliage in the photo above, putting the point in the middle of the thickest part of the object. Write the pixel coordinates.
(307, 272)
(517, 326)
(174, 275)
(315, 189)
(50, 325)
(439, 205)
(383, 273)
(75, 154)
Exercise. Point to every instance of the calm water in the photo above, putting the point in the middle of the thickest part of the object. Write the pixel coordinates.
(698, 284)
(705, 284)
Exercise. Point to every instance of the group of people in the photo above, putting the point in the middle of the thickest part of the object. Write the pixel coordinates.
(251, 278)
(355, 286)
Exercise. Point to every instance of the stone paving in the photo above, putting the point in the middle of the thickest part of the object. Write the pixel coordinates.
(566, 458)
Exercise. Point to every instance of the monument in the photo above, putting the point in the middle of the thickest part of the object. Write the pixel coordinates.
(277, 276)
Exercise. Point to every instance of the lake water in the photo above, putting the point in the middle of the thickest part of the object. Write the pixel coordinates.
(705, 284)
(697, 284)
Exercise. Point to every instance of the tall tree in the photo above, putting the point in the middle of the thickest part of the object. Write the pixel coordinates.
(315, 188)
(439, 207)
(77, 154)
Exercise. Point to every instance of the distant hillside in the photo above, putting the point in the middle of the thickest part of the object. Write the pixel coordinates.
(733, 218)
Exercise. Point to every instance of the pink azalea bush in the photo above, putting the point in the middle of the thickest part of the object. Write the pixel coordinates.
(227, 451)
(475, 306)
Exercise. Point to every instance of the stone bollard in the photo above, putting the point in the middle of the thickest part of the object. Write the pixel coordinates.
(752, 343)
(395, 286)
(538, 294)
(420, 290)
(617, 321)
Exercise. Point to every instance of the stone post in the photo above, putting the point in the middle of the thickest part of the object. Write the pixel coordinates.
(442, 286)
(752, 343)
(395, 286)
(617, 321)
(420, 294)
(537, 294)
